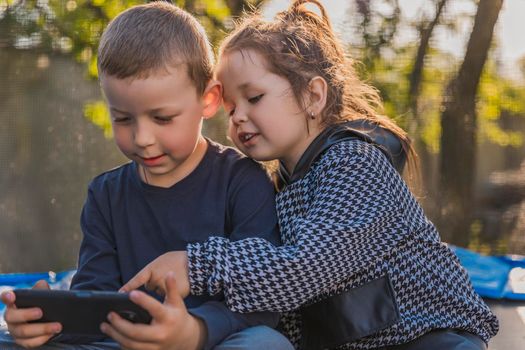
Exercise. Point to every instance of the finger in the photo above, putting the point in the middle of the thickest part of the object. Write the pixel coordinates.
(34, 342)
(14, 316)
(148, 303)
(125, 341)
(157, 285)
(160, 291)
(173, 296)
(8, 298)
(35, 330)
(136, 331)
(151, 286)
(41, 284)
(141, 278)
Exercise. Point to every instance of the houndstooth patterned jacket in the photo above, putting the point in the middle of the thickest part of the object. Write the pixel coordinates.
(361, 266)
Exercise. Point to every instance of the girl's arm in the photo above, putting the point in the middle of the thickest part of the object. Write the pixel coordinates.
(355, 216)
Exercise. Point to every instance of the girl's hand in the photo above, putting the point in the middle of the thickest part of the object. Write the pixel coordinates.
(172, 326)
(28, 335)
(153, 276)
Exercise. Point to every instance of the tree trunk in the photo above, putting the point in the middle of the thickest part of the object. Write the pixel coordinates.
(417, 70)
(458, 124)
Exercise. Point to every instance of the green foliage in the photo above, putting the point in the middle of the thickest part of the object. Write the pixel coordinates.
(74, 27)
(97, 113)
(497, 95)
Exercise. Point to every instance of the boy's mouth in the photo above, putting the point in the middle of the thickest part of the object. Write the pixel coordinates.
(151, 161)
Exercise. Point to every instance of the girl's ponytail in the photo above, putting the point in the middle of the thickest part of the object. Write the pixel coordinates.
(297, 9)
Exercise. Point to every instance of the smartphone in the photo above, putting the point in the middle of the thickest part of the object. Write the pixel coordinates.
(80, 311)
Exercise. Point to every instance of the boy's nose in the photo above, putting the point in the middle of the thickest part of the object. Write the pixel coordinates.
(144, 136)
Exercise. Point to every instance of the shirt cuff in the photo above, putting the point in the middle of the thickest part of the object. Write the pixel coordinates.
(218, 325)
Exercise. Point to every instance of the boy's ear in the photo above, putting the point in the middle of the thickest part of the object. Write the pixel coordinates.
(212, 99)
(318, 90)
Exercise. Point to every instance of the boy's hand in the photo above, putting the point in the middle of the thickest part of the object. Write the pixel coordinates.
(28, 335)
(172, 326)
(153, 275)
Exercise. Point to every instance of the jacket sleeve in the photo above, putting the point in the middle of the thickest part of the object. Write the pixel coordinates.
(354, 217)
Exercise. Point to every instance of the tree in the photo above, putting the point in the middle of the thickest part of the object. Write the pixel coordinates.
(425, 32)
(376, 28)
(458, 125)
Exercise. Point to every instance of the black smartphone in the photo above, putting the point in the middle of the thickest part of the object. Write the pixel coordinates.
(80, 311)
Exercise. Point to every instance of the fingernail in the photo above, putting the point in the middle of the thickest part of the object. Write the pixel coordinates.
(57, 328)
(103, 327)
(37, 313)
(10, 296)
(110, 316)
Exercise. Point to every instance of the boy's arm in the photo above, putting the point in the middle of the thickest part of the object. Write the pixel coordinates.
(98, 266)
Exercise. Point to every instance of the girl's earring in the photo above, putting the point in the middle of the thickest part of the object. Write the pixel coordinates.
(312, 115)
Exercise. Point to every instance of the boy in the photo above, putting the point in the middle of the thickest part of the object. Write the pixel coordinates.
(155, 67)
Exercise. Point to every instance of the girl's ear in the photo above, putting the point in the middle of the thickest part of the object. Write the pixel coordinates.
(318, 89)
(211, 99)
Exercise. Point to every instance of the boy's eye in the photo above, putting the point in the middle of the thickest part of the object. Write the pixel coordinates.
(255, 99)
(121, 120)
(163, 119)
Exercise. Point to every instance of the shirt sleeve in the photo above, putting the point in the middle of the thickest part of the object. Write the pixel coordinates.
(354, 217)
(221, 321)
(98, 266)
(251, 213)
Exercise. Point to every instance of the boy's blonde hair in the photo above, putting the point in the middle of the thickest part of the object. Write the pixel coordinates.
(147, 38)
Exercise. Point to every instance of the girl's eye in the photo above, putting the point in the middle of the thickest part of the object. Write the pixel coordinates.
(232, 112)
(255, 99)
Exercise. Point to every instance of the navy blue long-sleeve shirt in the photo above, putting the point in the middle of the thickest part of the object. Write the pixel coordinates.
(127, 223)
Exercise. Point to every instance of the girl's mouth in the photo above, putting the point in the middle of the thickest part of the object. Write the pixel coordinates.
(246, 137)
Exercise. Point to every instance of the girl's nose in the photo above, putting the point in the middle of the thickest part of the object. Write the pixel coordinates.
(239, 116)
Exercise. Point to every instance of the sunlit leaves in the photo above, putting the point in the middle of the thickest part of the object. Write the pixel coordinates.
(497, 95)
(98, 114)
(75, 26)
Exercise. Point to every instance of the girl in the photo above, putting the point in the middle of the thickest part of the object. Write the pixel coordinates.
(361, 266)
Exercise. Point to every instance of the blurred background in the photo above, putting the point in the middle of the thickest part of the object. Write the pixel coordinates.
(451, 72)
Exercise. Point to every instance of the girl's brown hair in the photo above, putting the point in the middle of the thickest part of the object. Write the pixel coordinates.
(300, 45)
